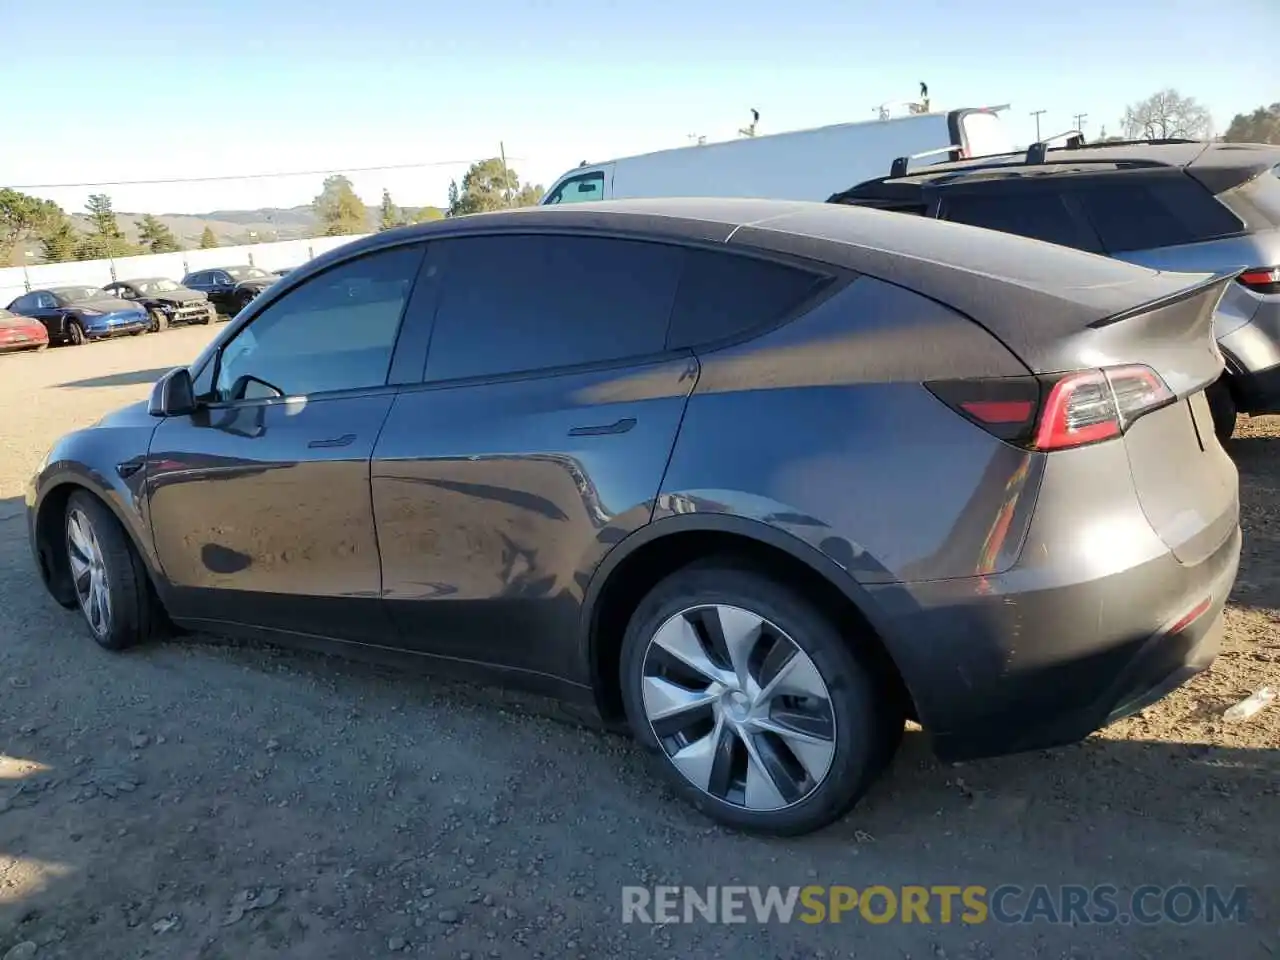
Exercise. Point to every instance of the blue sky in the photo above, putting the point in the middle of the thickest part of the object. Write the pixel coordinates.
(138, 89)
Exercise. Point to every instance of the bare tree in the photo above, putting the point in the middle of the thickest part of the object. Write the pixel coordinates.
(1166, 115)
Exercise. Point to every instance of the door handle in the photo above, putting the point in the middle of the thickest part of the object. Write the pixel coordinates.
(603, 429)
(343, 441)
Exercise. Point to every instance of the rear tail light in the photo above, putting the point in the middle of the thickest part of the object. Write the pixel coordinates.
(1061, 411)
(1261, 279)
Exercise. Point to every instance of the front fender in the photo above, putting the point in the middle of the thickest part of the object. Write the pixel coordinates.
(107, 460)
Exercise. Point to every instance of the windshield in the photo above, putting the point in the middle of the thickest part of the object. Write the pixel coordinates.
(77, 294)
(249, 273)
(156, 286)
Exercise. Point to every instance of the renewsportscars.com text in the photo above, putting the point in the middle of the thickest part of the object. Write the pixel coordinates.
(939, 904)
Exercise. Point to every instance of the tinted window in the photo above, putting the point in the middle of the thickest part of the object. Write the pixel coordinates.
(193, 280)
(335, 332)
(722, 295)
(1162, 213)
(509, 304)
(579, 189)
(1040, 215)
(27, 302)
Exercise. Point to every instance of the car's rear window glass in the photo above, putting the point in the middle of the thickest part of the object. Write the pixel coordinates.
(1040, 215)
(1132, 215)
(510, 304)
(722, 295)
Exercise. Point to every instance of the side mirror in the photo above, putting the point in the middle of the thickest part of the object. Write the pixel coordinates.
(173, 395)
(249, 387)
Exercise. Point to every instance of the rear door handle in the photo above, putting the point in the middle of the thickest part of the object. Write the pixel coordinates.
(343, 441)
(603, 429)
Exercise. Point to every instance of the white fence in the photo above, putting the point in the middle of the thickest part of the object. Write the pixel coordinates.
(15, 281)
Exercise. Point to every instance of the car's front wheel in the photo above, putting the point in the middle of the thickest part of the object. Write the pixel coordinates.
(76, 334)
(158, 321)
(111, 585)
(759, 712)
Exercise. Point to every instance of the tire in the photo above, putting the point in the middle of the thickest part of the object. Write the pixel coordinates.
(1222, 407)
(132, 610)
(860, 722)
(75, 334)
(159, 322)
(241, 302)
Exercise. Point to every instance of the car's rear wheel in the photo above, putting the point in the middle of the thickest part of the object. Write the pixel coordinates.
(111, 585)
(760, 713)
(75, 334)
(158, 321)
(1222, 407)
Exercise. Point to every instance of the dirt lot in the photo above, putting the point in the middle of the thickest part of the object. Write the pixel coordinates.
(203, 799)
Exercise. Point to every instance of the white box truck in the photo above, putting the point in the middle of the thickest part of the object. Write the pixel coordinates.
(799, 165)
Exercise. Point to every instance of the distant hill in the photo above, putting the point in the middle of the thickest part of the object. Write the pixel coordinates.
(231, 227)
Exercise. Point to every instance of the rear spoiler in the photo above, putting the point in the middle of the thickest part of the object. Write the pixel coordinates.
(1187, 293)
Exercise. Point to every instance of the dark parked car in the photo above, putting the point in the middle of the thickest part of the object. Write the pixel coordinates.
(21, 333)
(230, 289)
(762, 479)
(1167, 204)
(80, 314)
(165, 301)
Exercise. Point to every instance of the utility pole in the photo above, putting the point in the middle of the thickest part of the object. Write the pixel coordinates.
(506, 176)
(1036, 114)
(1080, 119)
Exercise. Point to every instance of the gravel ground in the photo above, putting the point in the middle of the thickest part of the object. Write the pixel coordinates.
(203, 799)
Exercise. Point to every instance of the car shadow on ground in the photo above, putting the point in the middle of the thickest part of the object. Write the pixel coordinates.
(127, 378)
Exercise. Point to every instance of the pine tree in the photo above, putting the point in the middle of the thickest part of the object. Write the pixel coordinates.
(207, 239)
(155, 235)
(389, 217)
(103, 217)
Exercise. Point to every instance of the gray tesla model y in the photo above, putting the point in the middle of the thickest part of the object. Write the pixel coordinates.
(758, 480)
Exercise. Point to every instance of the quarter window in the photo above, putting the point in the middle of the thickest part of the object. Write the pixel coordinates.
(335, 332)
(1132, 215)
(724, 295)
(515, 303)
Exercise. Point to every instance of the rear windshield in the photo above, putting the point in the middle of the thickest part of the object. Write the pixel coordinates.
(1259, 199)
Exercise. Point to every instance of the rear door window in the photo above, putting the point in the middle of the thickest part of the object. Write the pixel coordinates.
(1038, 214)
(725, 295)
(510, 304)
(1144, 215)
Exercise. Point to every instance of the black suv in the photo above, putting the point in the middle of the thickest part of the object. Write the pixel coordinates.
(1183, 205)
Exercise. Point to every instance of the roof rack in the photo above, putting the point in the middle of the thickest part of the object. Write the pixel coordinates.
(1035, 154)
(900, 164)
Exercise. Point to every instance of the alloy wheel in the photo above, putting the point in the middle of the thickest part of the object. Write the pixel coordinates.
(738, 707)
(89, 572)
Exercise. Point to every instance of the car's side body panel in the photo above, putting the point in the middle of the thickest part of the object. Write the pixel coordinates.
(496, 501)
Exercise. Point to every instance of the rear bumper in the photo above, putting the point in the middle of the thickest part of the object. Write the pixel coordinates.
(996, 670)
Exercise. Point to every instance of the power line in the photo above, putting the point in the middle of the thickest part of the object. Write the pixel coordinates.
(247, 176)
